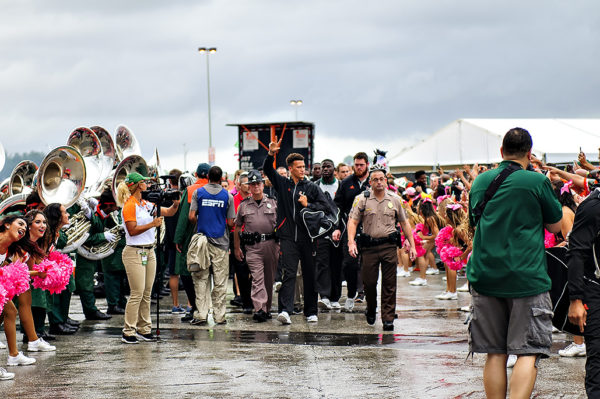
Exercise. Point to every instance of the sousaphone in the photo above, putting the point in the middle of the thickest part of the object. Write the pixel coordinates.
(22, 178)
(126, 144)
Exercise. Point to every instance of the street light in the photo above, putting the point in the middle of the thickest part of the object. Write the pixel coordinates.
(296, 104)
(211, 150)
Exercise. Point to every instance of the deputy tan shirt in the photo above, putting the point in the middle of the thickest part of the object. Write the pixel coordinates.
(378, 218)
(257, 218)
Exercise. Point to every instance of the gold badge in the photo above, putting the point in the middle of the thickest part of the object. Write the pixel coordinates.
(390, 205)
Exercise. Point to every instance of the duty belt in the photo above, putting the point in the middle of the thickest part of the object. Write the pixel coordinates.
(142, 246)
(367, 241)
(255, 238)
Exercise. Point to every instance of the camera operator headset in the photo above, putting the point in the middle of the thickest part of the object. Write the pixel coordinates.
(139, 258)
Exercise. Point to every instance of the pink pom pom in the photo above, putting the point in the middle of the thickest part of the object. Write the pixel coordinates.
(418, 242)
(58, 268)
(3, 298)
(14, 278)
(549, 239)
(443, 238)
(448, 254)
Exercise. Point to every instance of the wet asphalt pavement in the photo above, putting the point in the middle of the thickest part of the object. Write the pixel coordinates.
(338, 357)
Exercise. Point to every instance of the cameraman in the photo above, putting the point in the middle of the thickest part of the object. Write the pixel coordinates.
(138, 256)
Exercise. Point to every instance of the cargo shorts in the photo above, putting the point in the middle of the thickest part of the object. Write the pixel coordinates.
(513, 326)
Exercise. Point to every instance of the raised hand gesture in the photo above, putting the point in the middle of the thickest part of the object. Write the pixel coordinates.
(274, 146)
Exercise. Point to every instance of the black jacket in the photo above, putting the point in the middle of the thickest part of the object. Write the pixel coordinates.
(580, 258)
(344, 196)
(289, 225)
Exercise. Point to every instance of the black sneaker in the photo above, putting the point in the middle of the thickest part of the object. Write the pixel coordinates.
(187, 317)
(370, 319)
(131, 339)
(147, 337)
(197, 322)
(360, 298)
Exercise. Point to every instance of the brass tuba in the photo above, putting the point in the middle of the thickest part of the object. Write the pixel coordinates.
(61, 178)
(105, 249)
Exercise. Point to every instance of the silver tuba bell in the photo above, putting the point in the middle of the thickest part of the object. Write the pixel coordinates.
(126, 144)
(133, 163)
(22, 177)
(61, 179)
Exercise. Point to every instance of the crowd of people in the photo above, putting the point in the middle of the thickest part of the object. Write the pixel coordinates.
(306, 235)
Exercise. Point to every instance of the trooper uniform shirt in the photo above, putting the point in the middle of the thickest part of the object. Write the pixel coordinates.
(378, 218)
(257, 217)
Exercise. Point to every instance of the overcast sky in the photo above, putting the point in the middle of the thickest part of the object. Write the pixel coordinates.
(384, 74)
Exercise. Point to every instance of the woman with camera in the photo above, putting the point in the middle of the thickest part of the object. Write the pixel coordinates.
(138, 255)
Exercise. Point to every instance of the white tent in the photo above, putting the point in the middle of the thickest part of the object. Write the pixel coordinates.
(467, 141)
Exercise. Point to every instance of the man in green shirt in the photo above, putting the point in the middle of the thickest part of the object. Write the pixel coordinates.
(507, 271)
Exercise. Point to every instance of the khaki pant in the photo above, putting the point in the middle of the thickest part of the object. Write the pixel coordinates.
(141, 278)
(262, 261)
(219, 261)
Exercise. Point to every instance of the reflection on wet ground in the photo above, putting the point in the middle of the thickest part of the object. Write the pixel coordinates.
(340, 356)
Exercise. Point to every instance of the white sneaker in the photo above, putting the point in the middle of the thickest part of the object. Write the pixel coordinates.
(5, 375)
(20, 360)
(40, 346)
(447, 296)
(324, 304)
(418, 281)
(277, 286)
(336, 305)
(466, 308)
(432, 270)
(402, 273)
(284, 318)
(349, 305)
(510, 362)
(554, 331)
(312, 319)
(2, 345)
(573, 350)
(463, 288)
(344, 283)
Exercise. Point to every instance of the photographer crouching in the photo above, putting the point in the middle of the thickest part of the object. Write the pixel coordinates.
(139, 257)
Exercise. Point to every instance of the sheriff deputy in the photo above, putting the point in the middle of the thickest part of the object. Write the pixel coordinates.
(380, 211)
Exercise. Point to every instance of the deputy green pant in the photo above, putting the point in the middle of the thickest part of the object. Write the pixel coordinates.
(84, 283)
(60, 305)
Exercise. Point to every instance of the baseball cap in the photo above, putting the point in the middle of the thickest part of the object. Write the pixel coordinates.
(254, 177)
(202, 169)
(410, 191)
(134, 178)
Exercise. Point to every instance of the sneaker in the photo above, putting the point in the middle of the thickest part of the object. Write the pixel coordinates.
(510, 362)
(573, 350)
(447, 296)
(2, 345)
(129, 339)
(411, 269)
(344, 283)
(336, 305)
(20, 360)
(312, 319)
(177, 310)
(222, 321)
(40, 346)
(402, 273)
(197, 322)
(360, 298)
(147, 337)
(418, 281)
(324, 304)
(463, 288)
(284, 318)
(465, 308)
(349, 305)
(5, 375)
(277, 286)
(432, 270)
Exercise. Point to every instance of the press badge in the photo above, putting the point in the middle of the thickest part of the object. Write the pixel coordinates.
(144, 255)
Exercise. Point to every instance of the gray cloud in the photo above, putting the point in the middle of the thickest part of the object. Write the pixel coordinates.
(382, 70)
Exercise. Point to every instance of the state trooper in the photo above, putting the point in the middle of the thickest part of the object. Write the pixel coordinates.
(380, 211)
(257, 217)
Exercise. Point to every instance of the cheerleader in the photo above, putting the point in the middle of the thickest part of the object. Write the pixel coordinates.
(432, 224)
(459, 235)
(405, 264)
(12, 229)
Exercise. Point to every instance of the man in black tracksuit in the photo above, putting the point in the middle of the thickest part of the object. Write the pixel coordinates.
(349, 188)
(294, 194)
(584, 285)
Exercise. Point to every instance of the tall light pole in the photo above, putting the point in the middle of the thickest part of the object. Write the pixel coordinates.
(296, 104)
(211, 150)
